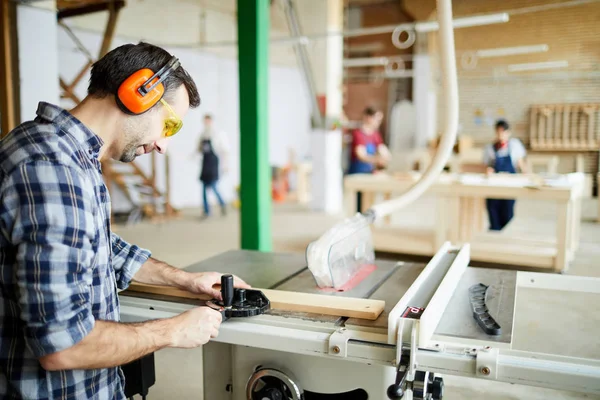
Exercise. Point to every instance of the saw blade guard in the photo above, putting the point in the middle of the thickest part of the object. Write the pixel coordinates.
(337, 256)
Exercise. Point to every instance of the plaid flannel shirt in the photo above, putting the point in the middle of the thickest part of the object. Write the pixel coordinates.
(60, 264)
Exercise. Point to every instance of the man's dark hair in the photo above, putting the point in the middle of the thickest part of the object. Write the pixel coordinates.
(502, 124)
(369, 112)
(208, 116)
(117, 65)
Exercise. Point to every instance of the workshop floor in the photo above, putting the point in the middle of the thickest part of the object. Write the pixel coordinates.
(188, 240)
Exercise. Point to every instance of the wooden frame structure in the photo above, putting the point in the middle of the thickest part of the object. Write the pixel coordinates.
(564, 127)
(74, 8)
(9, 77)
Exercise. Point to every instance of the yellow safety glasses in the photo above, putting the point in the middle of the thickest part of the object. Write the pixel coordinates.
(173, 123)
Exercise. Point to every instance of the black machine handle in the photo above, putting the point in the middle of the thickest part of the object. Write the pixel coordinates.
(227, 290)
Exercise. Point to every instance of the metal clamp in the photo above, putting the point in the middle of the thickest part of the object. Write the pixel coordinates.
(338, 343)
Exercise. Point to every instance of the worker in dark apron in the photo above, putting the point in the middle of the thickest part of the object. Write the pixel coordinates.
(503, 156)
(209, 175)
(501, 211)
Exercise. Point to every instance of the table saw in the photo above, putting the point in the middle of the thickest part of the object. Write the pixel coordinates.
(428, 328)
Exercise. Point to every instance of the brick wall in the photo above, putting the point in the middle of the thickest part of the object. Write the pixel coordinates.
(360, 91)
(489, 91)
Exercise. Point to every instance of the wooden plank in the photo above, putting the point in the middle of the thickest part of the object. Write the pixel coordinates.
(8, 38)
(111, 24)
(533, 132)
(574, 135)
(591, 126)
(542, 128)
(68, 9)
(565, 128)
(68, 93)
(289, 301)
(558, 138)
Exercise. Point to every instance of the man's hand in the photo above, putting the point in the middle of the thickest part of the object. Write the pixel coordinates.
(204, 282)
(155, 272)
(99, 349)
(195, 327)
(489, 170)
(382, 161)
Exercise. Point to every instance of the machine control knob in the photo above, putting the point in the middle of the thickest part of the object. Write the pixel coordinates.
(241, 296)
(395, 392)
(436, 388)
(272, 394)
(227, 290)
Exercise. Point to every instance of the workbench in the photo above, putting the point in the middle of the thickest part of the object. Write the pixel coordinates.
(461, 216)
(316, 354)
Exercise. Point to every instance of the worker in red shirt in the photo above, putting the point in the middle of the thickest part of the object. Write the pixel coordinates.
(368, 152)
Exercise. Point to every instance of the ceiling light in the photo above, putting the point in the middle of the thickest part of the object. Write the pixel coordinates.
(536, 66)
(511, 51)
(365, 62)
(465, 22)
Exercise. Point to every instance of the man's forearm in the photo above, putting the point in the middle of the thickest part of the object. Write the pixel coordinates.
(111, 344)
(155, 272)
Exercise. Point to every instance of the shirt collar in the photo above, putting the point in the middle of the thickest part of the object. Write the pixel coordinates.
(71, 125)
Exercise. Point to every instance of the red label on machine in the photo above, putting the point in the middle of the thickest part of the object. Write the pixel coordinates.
(413, 312)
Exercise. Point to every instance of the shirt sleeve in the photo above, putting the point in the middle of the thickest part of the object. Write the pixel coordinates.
(517, 150)
(488, 155)
(127, 260)
(377, 138)
(52, 226)
(358, 139)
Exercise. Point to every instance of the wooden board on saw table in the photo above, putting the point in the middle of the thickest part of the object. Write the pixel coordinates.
(290, 301)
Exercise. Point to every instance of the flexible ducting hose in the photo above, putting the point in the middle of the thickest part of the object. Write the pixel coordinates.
(450, 90)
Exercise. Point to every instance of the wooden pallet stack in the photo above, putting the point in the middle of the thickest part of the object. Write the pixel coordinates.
(565, 127)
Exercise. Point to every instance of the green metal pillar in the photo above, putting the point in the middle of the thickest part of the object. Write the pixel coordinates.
(255, 190)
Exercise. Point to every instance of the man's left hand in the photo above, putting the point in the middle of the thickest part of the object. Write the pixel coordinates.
(204, 282)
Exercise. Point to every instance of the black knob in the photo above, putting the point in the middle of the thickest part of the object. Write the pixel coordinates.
(241, 296)
(395, 392)
(274, 394)
(227, 290)
(436, 389)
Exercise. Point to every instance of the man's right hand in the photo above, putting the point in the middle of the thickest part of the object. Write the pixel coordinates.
(195, 327)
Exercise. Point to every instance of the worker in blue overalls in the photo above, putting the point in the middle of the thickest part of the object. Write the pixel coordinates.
(505, 155)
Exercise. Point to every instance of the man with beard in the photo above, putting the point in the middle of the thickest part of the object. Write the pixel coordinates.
(60, 264)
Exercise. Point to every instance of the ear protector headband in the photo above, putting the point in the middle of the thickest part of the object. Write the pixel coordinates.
(144, 88)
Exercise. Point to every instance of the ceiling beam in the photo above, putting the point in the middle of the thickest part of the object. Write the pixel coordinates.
(68, 9)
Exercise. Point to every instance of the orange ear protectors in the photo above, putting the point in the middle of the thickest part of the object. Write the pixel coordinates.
(144, 88)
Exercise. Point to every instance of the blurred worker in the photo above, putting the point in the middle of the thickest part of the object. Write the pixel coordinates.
(61, 335)
(505, 155)
(213, 148)
(368, 152)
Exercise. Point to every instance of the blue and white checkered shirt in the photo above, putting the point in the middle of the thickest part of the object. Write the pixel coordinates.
(60, 264)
